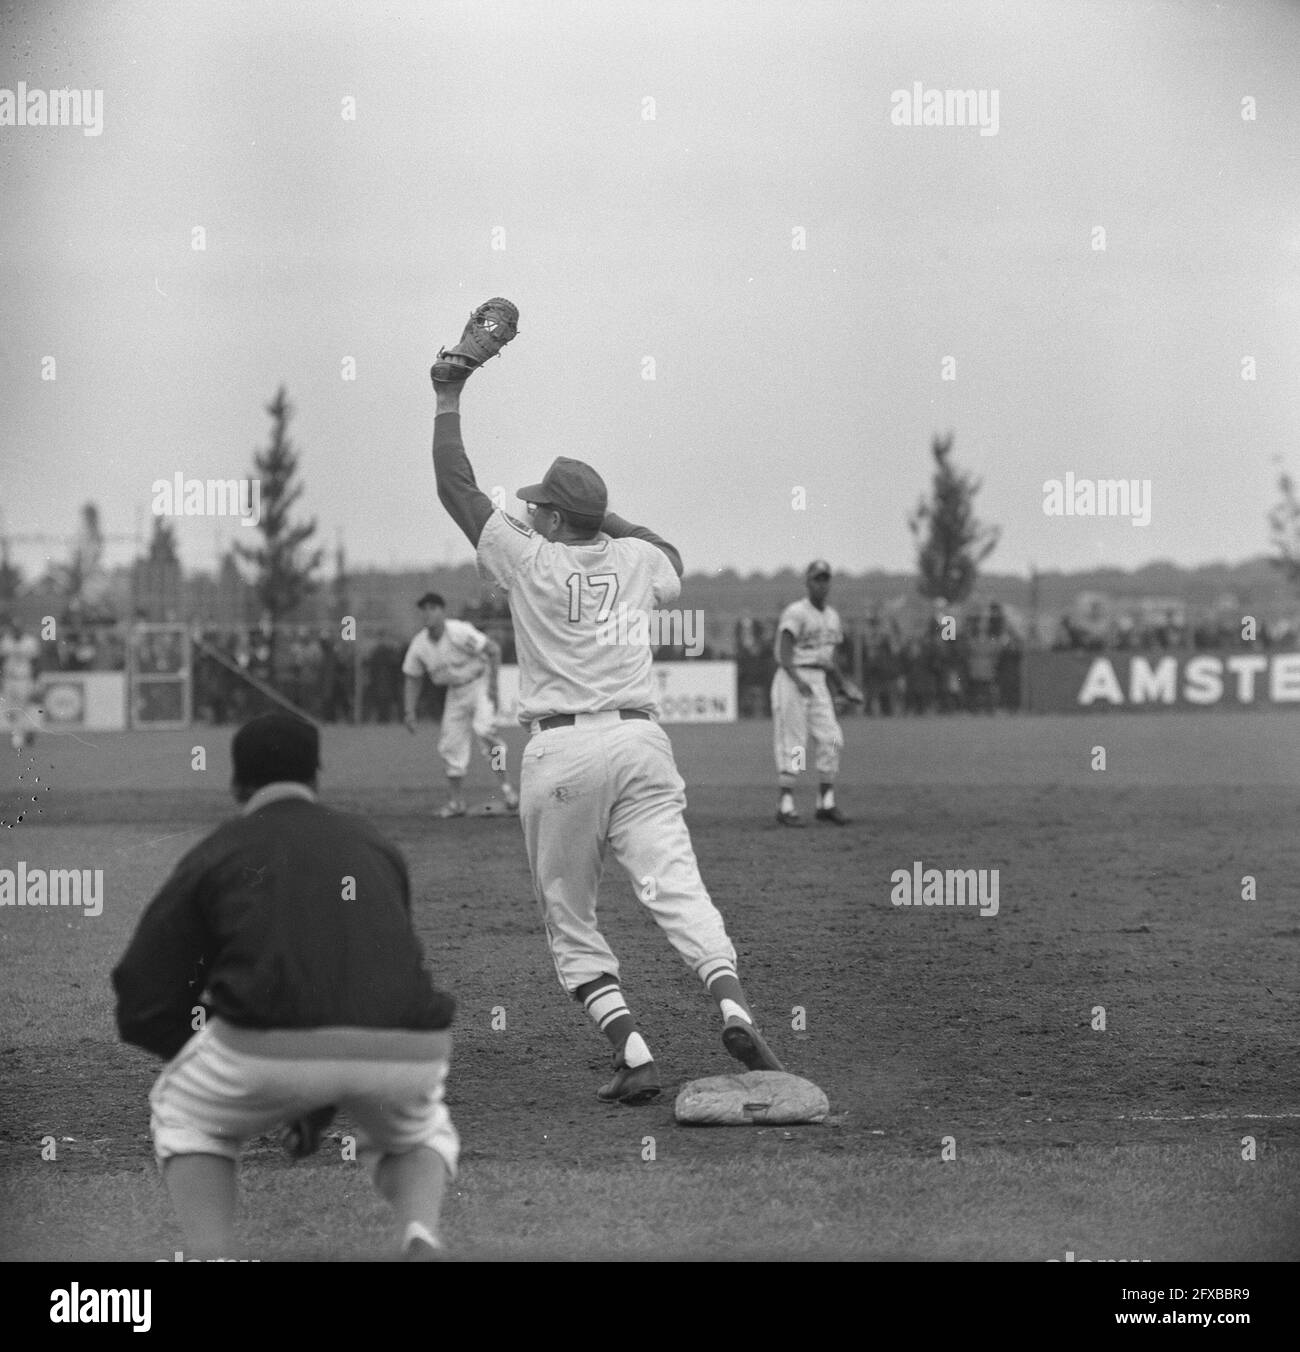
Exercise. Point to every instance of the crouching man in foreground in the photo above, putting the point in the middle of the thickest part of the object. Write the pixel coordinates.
(285, 938)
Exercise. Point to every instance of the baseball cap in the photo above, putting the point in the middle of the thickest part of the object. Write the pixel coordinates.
(818, 568)
(431, 599)
(274, 747)
(571, 486)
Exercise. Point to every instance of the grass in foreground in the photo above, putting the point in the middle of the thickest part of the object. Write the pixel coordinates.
(1158, 1203)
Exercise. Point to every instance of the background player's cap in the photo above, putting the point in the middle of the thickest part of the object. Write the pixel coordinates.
(431, 599)
(274, 747)
(818, 568)
(572, 486)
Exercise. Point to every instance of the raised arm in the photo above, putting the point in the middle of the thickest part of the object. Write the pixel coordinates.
(616, 528)
(466, 503)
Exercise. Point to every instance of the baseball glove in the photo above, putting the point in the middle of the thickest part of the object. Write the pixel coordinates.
(490, 328)
(302, 1137)
(845, 693)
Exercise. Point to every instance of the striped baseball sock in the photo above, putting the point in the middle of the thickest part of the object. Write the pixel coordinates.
(720, 980)
(603, 1001)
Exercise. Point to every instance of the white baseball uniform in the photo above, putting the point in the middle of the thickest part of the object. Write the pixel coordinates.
(18, 658)
(456, 660)
(607, 781)
(796, 717)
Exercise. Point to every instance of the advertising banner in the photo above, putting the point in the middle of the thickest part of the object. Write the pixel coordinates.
(90, 700)
(1061, 682)
(689, 692)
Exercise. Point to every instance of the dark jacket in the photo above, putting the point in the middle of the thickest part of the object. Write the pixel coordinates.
(292, 916)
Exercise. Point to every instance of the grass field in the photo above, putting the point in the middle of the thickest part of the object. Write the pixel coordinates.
(1119, 888)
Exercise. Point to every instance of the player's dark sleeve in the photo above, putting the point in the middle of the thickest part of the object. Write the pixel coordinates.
(458, 491)
(163, 972)
(617, 529)
(398, 860)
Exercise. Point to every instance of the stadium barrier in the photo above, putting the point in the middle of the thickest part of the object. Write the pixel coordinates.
(247, 677)
(160, 675)
(1081, 682)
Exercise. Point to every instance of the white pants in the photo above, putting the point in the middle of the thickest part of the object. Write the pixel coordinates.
(467, 714)
(19, 707)
(797, 717)
(607, 784)
(213, 1098)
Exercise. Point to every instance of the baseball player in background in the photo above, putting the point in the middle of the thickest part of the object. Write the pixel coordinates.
(20, 657)
(807, 637)
(454, 654)
(598, 773)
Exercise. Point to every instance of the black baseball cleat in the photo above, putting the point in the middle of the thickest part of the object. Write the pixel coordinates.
(743, 1041)
(789, 819)
(631, 1085)
(832, 814)
(419, 1250)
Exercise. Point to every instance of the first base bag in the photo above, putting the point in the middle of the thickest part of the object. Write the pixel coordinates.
(755, 1098)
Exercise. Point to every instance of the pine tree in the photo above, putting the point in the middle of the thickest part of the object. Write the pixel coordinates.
(951, 543)
(157, 579)
(283, 574)
(11, 577)
(162, 543)
(342, 582)
(1284, 529)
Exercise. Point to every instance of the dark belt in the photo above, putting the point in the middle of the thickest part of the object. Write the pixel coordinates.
(568, 720)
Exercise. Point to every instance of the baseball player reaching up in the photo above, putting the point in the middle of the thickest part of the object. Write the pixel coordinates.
(455, 654)
(807, 636)
(598, 774)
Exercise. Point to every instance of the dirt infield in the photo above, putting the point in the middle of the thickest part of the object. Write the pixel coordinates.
(1119, 889)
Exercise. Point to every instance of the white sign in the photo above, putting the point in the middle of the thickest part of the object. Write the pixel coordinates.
(696, 692)
(1204, 679)
(94, 700)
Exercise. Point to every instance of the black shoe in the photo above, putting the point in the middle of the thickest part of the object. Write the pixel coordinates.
(631, 1085)
(790, 819)
(832, 814)
(743, 1041)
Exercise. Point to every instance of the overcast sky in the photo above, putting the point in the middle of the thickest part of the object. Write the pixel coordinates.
(665, 230)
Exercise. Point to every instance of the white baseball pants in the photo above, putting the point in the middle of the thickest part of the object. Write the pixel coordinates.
(227, 1085)
(796, 718)
(467, 714)
(606, 784)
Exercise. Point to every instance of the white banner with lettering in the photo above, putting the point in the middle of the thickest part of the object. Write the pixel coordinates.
(689, 692)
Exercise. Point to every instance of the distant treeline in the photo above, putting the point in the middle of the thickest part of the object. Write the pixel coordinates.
(386, 598)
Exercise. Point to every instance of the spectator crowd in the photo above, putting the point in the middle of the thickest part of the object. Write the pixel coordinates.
(974, 666)
(976, 669)
(233, 667)
(1171, 633)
